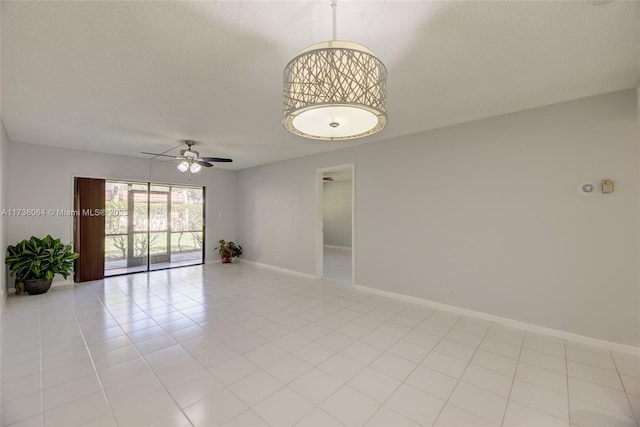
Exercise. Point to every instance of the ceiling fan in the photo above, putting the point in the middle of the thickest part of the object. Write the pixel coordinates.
(190, 159)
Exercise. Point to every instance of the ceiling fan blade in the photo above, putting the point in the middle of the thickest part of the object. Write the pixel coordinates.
(216, 159)
(163, 155)
(203, 163)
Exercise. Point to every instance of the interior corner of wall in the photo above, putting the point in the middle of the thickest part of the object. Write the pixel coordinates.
(4, 291)
(638, 99)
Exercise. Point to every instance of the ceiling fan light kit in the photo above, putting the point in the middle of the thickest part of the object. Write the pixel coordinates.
(186, 165)
(190, 159)
(183, 166)
(335, 90)
(195, 168)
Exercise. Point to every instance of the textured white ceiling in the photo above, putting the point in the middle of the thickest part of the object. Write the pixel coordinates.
(125, 77)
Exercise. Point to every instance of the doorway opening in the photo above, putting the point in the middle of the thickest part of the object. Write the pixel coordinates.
(335, 232)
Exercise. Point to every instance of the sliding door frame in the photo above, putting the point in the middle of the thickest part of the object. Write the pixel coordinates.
(149, 183)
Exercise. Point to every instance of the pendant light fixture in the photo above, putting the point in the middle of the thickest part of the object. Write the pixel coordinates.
(335, 90)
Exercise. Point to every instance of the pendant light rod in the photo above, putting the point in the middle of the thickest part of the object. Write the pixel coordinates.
(334, 9)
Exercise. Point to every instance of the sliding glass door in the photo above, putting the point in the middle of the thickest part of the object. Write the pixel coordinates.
(151, 227)
(186, 227)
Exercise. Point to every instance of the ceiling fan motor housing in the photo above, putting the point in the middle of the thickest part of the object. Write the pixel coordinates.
(189, 153)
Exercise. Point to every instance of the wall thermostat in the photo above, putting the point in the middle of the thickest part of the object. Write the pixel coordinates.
(587, 188)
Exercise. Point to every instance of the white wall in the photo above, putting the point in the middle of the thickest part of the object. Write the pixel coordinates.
(337, 213)
(487, 214)
(4, 142)
(42, 178)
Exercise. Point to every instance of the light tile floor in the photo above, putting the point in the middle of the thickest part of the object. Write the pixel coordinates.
(237, 345)
(337, 266)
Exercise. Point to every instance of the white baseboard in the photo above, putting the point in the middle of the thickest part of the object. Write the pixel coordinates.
(59, 283)
(213, 261)
(338, 247)
(280, 269)
(608, 345)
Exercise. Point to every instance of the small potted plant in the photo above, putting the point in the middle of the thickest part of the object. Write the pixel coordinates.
(228, 250)
(34, 262)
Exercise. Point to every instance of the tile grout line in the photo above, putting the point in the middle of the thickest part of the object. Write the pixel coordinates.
(315, 406)
(419, 363)
(260, 368)
(143, 360)
(345, 383)
(95, 369)
(226, 387)
(566, 376)
(413, 370)
(190, 354)
(67, 290)
(513, 381)
(567, 360)
(77, 324)
(484, 336)
(312, 297)
(635, 416)
(603, 387)
(566, 363)
(41, 362)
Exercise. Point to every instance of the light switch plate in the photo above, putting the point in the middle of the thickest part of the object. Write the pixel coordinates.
(607, 186)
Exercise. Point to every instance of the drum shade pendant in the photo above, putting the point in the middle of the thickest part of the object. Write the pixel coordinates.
(335, 90)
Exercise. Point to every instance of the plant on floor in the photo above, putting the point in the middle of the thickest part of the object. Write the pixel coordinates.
(228, 250)
(34, 262)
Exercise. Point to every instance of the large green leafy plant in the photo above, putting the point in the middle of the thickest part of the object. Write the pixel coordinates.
(40, 259)
(228, 249)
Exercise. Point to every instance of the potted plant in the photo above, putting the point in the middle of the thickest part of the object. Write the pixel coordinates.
(228, 250)
(34, 262)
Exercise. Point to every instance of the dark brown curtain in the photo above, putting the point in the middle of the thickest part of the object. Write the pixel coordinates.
(89, 229)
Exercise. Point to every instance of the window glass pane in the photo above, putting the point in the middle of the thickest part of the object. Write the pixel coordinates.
(139, 200)
(116, 247)
(140, 244)
(116, 205)
(158, 212)
(158, 243)
(150, 227)
(186, 241)
(186, 209)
